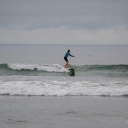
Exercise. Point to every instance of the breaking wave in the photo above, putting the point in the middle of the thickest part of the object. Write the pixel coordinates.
(63, 88)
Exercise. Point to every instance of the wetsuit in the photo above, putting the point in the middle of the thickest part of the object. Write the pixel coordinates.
(66, 56)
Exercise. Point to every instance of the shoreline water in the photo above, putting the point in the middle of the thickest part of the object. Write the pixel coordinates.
(61, 112)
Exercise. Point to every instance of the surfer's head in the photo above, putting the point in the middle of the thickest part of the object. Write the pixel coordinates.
(68, 50)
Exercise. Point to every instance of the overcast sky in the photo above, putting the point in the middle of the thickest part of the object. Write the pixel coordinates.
(64, 22)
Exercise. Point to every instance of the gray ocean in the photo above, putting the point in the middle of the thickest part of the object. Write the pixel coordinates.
(38, 70)
(36, 91)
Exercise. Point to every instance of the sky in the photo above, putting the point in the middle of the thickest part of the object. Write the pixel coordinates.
(64, 22)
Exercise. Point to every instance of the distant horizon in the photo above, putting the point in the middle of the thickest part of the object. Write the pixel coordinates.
(72, 44)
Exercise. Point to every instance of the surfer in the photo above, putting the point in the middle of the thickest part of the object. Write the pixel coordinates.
(65, 58)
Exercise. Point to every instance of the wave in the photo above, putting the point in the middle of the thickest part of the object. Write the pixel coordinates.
(40, 69)
(120, 67)
(27, 69)
(63, 88)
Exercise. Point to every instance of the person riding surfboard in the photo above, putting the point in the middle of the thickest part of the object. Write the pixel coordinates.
(65, 58)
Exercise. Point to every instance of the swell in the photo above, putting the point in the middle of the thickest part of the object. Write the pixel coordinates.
(120, 68)
(119, 71)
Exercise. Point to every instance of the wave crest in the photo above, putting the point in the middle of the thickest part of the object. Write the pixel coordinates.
(32, 67)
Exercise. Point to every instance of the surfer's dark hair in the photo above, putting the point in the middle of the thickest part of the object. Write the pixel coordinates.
(68, 50)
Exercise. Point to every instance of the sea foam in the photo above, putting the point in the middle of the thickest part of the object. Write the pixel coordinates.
(43, 67)
(63, 88)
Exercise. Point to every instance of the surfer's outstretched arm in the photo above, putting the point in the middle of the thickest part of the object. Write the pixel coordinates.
(72, 55)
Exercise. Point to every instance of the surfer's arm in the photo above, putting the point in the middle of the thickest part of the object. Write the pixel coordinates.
(72, 55)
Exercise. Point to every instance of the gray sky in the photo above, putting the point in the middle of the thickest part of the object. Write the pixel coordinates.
(64, 21)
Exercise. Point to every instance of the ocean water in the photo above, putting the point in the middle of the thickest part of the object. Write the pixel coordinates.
(37, 70)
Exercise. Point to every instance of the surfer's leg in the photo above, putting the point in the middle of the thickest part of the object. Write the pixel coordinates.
(66, 66)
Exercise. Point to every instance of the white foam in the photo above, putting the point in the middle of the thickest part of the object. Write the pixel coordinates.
(62, 88)
(49, 68)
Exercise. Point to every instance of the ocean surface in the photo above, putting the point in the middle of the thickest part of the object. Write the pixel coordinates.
(38, 70)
